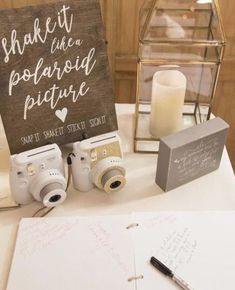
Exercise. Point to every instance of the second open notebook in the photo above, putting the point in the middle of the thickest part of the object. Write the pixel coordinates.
(113, 252)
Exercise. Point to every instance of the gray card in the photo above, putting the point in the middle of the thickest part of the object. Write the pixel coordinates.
(190, 153)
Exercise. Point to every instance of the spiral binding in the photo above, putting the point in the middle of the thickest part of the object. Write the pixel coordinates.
(140, 277)
(135, 278)
(132, 226)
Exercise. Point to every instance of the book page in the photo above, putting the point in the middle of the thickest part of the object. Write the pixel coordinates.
(85, 253)
(197, 246)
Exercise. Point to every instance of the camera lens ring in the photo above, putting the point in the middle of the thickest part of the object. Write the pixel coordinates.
(46, 184)
(113, 180)
(99, 173)
(53, 194)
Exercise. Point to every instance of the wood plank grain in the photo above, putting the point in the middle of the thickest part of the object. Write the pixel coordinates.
(55, 80)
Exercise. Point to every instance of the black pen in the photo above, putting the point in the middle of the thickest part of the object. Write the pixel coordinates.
(166, 271)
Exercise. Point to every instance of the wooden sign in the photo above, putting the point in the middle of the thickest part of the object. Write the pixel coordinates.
(54, 77)
(191, 153)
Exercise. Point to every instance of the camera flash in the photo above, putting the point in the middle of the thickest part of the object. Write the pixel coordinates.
(31, 169)
(93, 155)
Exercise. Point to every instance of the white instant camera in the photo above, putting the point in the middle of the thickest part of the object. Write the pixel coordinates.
(98, 161)
(38, 174)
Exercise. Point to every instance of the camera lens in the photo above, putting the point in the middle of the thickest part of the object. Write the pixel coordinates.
(115, 184)
(55, 198)
(52, 194)
(113, 180)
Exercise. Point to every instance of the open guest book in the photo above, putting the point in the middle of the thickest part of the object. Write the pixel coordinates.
(113, 252)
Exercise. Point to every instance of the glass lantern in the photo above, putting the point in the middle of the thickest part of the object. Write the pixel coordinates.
(176, 38)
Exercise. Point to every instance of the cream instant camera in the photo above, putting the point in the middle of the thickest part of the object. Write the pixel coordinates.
(98, 161)
(38, 174)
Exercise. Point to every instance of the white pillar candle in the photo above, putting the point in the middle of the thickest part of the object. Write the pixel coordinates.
(168, 93)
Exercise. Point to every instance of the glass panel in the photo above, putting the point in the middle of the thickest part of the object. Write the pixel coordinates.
(177, 20)
(200, 83)
(180, 53)
(183, 35)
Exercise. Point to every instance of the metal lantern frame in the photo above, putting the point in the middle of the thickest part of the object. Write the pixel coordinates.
(219, 46)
